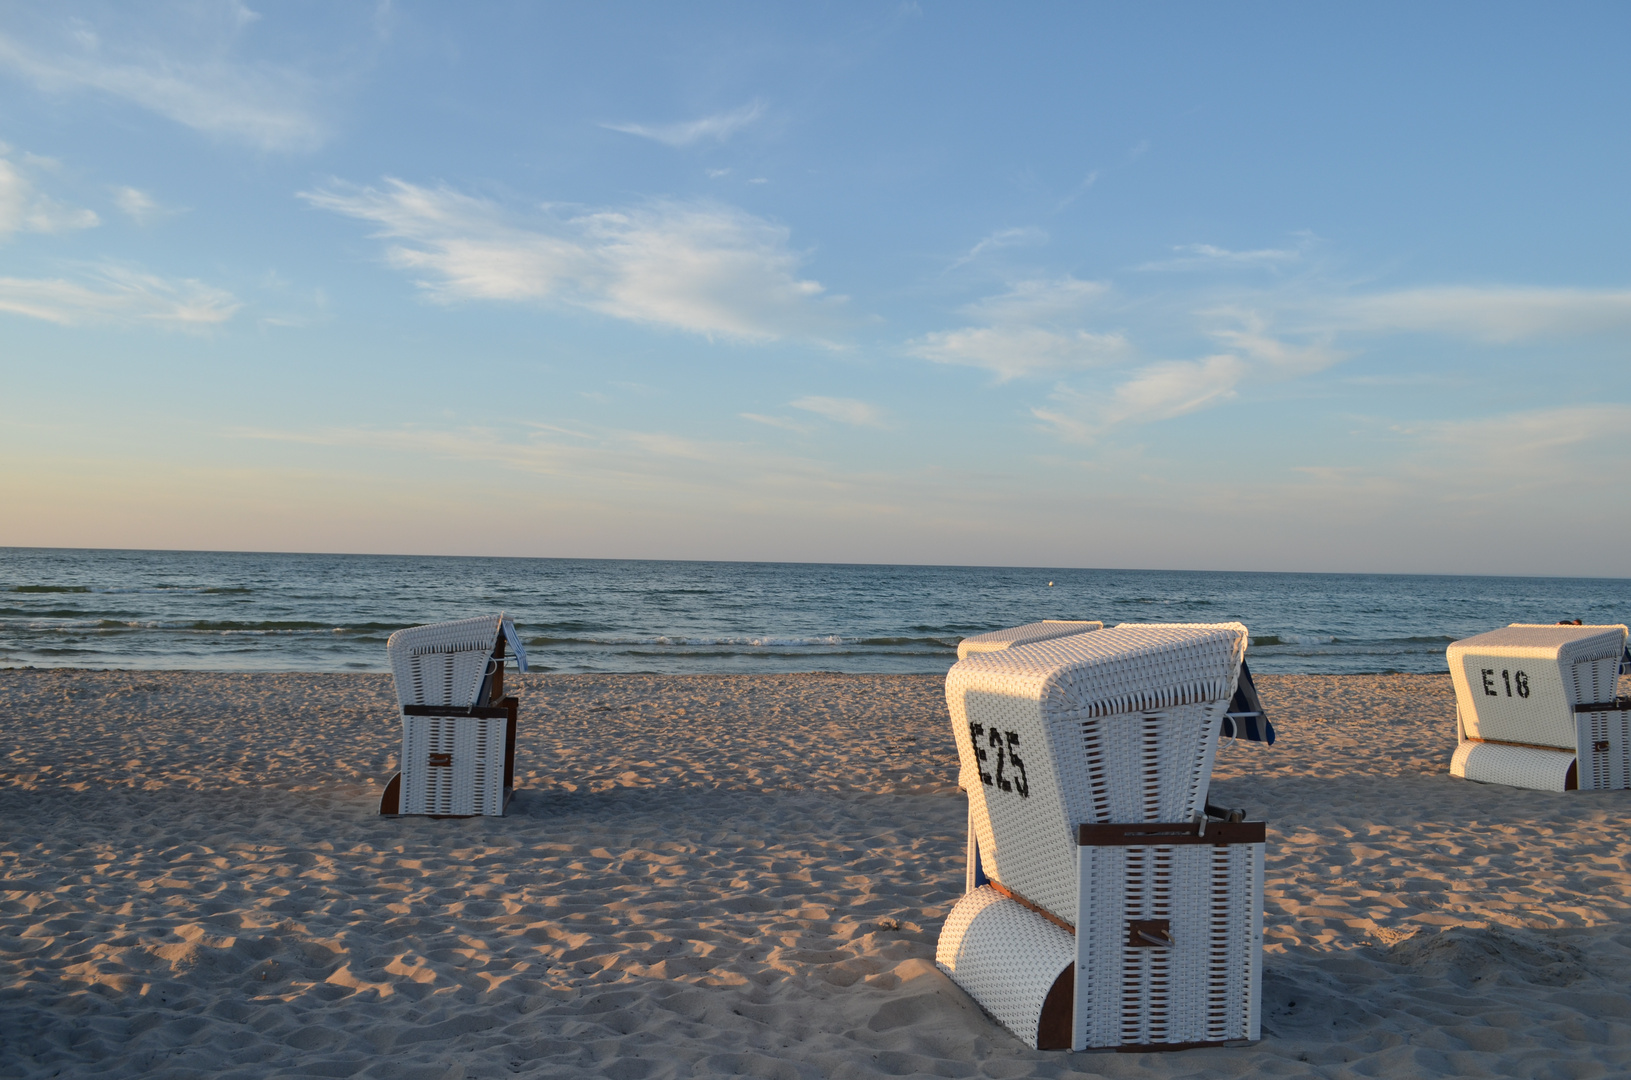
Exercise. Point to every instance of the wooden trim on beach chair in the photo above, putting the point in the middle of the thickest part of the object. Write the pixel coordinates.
(1617, 705)
(1029, 906)
(1163, 834)
(481, 712)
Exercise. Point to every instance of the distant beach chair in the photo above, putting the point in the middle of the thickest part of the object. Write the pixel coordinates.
(458, 727)
(1104, 907)
(1537, 706)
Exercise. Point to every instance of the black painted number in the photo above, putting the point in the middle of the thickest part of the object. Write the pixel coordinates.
(1023, 784)
(1508, 679)
(975, 731)
(1006, 744)
(996, 744)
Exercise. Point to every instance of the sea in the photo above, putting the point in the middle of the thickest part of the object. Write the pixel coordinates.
(238, 611)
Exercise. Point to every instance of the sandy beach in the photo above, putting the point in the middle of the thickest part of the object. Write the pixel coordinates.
(731, 875)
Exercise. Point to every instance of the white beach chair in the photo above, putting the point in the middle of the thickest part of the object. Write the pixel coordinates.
(1105, 909)
(1537, 707)
(458, 727)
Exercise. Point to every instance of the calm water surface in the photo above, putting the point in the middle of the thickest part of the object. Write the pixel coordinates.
(270, 612)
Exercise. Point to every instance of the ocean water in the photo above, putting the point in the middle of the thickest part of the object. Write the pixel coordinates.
(219, 611)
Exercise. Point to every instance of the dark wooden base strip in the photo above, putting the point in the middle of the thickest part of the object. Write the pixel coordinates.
(1146, 1048)
(457, 712)
(1163, 834)
(1617, 705)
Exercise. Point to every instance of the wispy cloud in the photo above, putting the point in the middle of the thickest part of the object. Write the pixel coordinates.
(1165, 389)
(1078, 191)
(1032, 329)
(1015, 351)
(1496, 314)
(777, 422)
(23, 208)
(718, 127)
(187, 73)
(844, 410)
(118, 294)
(1028, 236)
(1040, 300)
(1529, 444)
(139, 206)
(695, 266)
(1210, 257)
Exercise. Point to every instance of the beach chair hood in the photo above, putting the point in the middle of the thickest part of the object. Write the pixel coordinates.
(445, 663)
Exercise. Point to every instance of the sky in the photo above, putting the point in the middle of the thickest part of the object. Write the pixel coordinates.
(1190, 286)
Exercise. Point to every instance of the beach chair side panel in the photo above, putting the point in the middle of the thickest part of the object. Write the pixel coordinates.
(1169, 946)
(1604, 735)
(1019, 819)
(1514, 696)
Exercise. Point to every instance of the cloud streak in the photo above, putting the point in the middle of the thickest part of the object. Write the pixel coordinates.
(1495, 314)
(1166, 389)
(1210, 257)
(700, 267)
(1033, 329)
(139, 206)
(23, 208)
(717, 128)
(202, 87)
(1027, 236)
(119, 295)
(843, 410)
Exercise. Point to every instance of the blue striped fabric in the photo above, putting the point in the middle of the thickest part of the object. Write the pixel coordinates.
(1246, 718)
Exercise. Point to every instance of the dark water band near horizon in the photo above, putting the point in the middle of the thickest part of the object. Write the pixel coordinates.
(229, 611)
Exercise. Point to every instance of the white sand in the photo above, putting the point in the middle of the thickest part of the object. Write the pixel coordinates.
(719, 875)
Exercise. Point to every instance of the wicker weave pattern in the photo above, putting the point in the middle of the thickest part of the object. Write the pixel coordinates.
(1531, 767)
(1604, 738)
(472, 782)
(1006, 957)
(998, 640)
(1049, 701)
(1605, 750)
(1205, 986)
(443, 663)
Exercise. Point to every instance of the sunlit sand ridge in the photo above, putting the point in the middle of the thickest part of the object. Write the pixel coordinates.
(709, 875)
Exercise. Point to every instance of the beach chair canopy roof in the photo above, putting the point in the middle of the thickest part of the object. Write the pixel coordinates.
(1129, 667)
(998, 640)
(444, 663)
(1542, 641)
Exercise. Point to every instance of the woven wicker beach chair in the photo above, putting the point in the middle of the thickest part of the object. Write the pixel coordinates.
(1537, 707)
(458, 727)
(1244, 719)
(1105, 909)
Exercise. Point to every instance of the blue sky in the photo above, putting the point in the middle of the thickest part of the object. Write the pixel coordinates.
(1273, 287)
